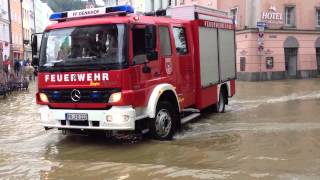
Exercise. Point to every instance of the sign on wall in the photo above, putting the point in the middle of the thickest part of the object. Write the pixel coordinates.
(269, 62)
(272, 16)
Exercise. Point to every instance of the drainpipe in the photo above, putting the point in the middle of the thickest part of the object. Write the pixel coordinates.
(22, 29)
(10, 32)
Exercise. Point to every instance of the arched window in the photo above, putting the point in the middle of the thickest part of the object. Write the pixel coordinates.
(291, 42)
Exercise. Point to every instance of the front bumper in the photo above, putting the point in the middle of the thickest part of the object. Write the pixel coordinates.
(116, 118)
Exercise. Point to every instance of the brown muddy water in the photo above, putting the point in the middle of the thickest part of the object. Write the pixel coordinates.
(271, 130)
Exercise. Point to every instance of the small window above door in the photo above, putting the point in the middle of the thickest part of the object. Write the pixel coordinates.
(180, 39)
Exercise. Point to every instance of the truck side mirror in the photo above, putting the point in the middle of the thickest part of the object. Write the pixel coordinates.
(34, 47)
(152, 55)
(34, 44)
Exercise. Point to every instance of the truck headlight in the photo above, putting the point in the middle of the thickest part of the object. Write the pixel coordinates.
(43, 98)
(115, 97)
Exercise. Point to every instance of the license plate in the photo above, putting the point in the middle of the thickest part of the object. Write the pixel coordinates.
(77, 116)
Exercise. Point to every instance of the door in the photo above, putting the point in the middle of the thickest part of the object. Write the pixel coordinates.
(318, 59)
(291, 61)
(139, 60)
(185, 76)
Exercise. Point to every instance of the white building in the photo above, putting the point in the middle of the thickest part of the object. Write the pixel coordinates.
(4, 30)
(138, 5)
(28, 26)
(153, 5)
(42, 14)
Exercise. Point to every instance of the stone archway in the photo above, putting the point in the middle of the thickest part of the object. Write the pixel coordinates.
(317, 43)
(291, 42)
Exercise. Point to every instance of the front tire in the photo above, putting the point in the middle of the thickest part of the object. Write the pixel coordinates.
(164, 124)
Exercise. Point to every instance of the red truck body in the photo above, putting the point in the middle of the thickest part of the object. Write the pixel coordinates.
(189, 79)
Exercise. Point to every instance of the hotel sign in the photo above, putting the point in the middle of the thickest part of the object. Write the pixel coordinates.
(271, 16)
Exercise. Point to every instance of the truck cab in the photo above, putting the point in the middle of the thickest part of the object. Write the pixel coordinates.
(107, 69)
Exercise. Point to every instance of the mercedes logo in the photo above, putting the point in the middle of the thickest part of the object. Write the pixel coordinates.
(75, 95)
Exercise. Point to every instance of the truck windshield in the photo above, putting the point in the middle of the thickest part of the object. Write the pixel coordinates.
(90, 47)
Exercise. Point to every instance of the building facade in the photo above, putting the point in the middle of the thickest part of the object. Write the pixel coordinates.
(4, 30)
(206, 3)
(42, 14)
(118, 2)
(154, 5)
(276, 39)
(139, 5)
(28, 26)
(16, 30)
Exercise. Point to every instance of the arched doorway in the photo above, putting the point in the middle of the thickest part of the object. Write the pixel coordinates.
(291, 46)
(317, 45)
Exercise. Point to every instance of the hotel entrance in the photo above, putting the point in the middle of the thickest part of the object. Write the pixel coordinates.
(291, 61)
(317, 45)
(291, 46)
(318, 58)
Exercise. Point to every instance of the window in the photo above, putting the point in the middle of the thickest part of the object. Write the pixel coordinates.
(234, 14)
(290, 16)
(180, 40)
(318, 17)
(88, 46)
(165, 44)
(139, 49)
(242, 64)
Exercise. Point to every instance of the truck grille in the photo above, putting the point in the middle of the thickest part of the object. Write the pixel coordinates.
(86, 95)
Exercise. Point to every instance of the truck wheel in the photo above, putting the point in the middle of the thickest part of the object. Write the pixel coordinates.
(220, 106)
(164, 124)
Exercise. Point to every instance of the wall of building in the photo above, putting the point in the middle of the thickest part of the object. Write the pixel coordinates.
(154, 5)
(240, 5)
(4, 30)
(16, 30)
(42, 14)
(273, 38)
(28, 26)
(210, 3)
(305, 10)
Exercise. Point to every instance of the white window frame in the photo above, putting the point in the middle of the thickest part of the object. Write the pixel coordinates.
(291, 24)
(236, 18)
(317, 17)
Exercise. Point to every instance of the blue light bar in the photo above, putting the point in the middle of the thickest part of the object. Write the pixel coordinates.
(55, 16)
(124, 9)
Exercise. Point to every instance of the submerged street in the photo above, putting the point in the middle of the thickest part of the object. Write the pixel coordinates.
(271, 130)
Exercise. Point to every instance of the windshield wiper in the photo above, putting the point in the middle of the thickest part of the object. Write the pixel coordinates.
(53, 63)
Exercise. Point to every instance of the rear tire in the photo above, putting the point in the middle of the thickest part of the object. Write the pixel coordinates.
(163, 126)
(221, 105)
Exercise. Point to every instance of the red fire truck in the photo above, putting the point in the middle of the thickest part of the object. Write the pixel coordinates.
(111, 70)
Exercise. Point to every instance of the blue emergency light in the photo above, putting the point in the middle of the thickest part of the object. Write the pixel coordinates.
(59, 16)
(124, 8)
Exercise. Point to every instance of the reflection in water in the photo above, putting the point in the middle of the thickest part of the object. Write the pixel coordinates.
(270, 131)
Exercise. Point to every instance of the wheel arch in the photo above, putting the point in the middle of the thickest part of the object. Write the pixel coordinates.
(159, 93)
(225, 88)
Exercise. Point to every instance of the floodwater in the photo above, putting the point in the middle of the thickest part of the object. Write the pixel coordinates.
(271, 130)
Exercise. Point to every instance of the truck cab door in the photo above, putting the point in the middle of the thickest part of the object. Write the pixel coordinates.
(184, 58)
(142, 80)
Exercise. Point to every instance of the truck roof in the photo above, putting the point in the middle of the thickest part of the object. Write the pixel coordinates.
(90, 21)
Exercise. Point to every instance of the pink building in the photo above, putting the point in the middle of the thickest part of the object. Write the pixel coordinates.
(288, 46)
